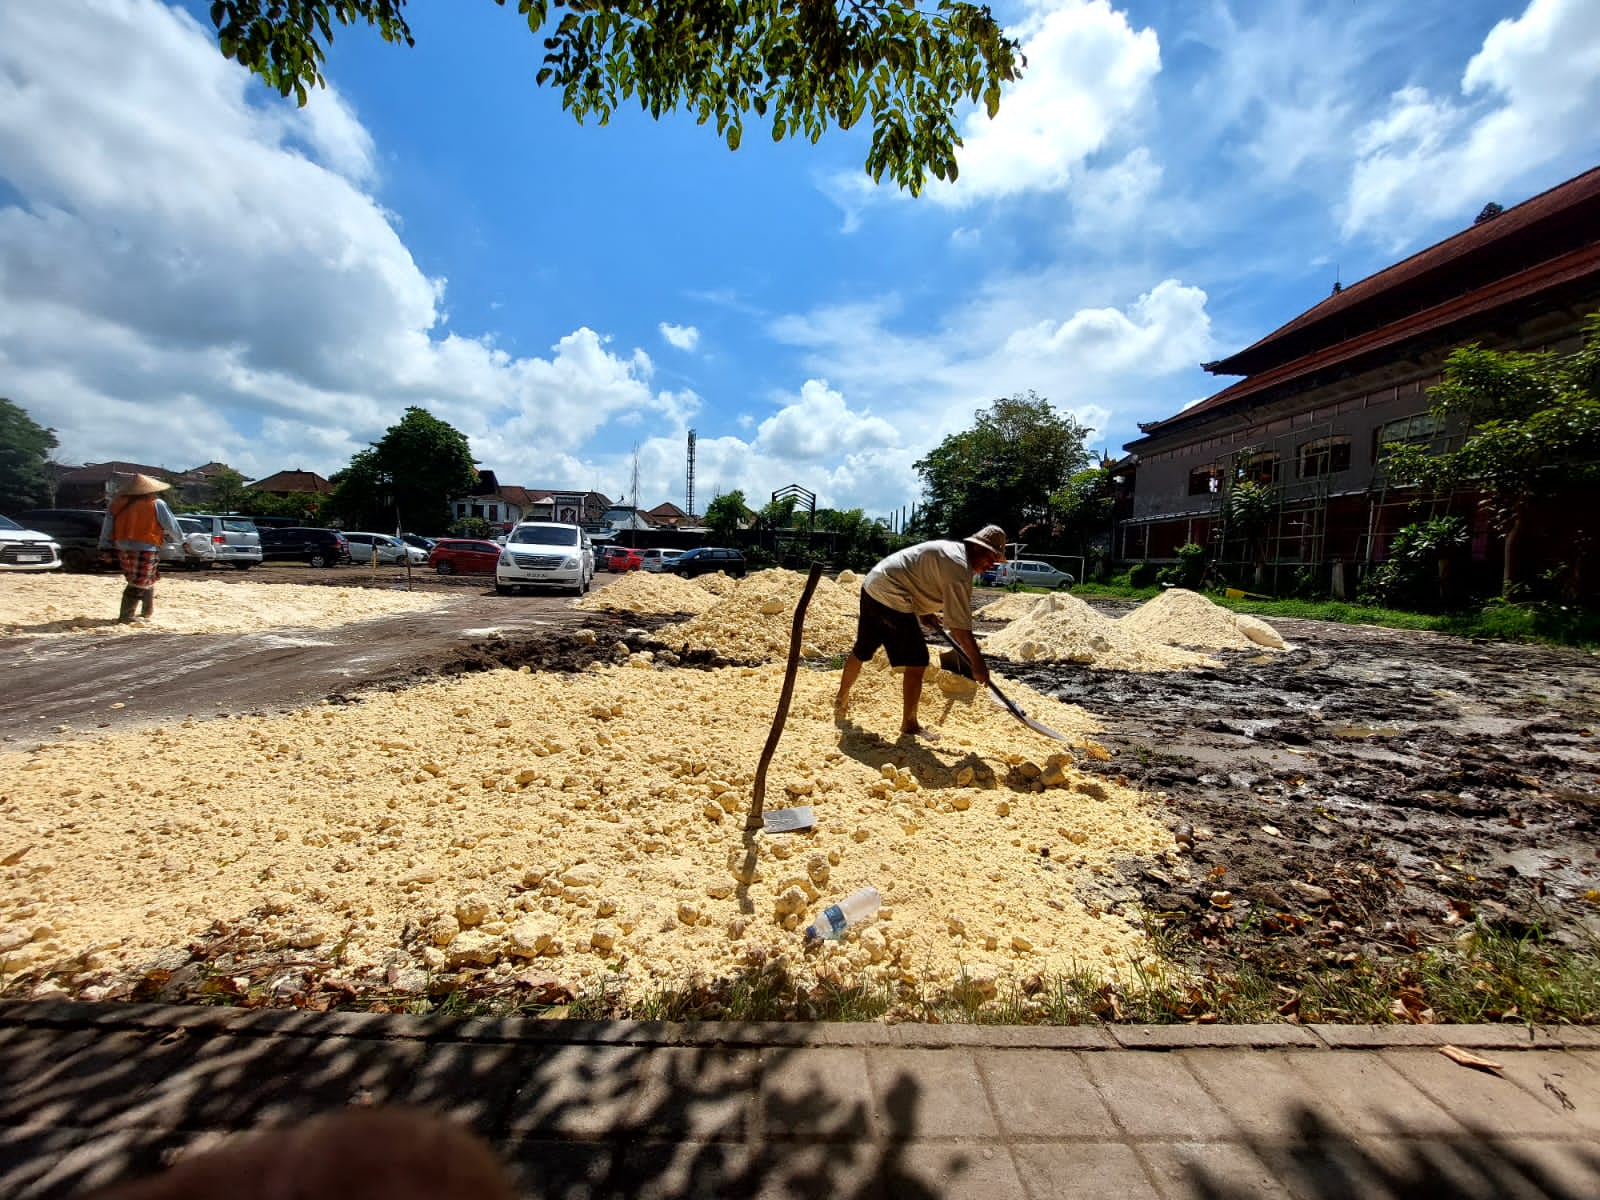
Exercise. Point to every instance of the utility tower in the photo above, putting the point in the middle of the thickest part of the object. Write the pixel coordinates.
(688, 500)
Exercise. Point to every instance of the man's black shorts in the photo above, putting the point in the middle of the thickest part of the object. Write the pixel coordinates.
(899, 633)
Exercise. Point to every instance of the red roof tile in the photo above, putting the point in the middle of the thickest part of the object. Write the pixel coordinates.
(1579, 265)
(1569, 211)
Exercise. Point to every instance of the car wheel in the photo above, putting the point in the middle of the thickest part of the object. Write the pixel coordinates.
(444, 568)
(1063, 585)
(582, 585)
(502, 589)
(319, 560)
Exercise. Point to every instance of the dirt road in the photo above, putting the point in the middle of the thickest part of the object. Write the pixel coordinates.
(162, 676)
(1368, 792)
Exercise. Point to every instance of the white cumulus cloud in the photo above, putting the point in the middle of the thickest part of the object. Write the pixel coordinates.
(191, 270)
(1530, 93)
(684, 337)
(1088, 74)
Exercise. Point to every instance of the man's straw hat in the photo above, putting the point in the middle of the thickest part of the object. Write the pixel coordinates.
(142, 485)
(991, 538)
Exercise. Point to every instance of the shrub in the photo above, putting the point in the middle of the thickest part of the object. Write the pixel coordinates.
(1415, 575)
(1189, 570)
(1143, 575)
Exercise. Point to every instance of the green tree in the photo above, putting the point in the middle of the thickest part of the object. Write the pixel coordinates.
(807, 66)
(227, 491)
(1249, 514)
(1532, 424)
(1004, 470)
(725, 515)
(777, 514)
(302, 507)
(25, 448)
(407, 477)
(1082, 511)
(858, 541)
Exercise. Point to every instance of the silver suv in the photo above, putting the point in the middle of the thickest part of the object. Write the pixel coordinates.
(1032, 573)
(234, 538)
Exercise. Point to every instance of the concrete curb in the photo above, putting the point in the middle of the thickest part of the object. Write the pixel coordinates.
(261, 1022)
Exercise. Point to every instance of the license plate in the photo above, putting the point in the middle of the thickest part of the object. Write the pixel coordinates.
(30, 558)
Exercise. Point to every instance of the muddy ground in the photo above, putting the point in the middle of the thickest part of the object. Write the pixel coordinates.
(1368, 792)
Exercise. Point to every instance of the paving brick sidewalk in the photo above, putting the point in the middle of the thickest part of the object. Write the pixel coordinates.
(93, 1093)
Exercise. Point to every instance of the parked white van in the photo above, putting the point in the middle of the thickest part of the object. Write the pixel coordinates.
(545, 554)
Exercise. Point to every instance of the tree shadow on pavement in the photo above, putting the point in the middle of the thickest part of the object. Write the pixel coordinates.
(1322, 1162)
(119, 1091)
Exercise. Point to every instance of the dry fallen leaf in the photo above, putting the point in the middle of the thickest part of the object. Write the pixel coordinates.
(1467, 1059)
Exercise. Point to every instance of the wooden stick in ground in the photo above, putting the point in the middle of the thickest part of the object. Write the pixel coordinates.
(758, 790)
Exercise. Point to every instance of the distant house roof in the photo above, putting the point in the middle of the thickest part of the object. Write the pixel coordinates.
(520, 496)
(294, 482)
(667, 514)
(91, 473)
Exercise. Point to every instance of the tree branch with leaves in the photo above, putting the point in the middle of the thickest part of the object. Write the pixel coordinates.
(804, 65)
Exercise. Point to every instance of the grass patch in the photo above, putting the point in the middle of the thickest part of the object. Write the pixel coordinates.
(1486, 976)
(1551, 624)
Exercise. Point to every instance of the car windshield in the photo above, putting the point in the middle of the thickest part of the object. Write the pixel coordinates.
(232, 525)
(545, 535)
(189, 526)
(8, 523)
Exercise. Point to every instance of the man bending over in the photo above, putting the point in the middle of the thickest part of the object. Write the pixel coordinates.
(919, 583)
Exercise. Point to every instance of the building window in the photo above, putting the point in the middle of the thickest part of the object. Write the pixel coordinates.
(477, 510)
(1420, 429)
(1204, 481)
(1258, 468)
(494, 512)
(1323, 456)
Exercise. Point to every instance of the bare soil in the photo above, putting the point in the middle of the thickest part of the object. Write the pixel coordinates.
(1368, 791)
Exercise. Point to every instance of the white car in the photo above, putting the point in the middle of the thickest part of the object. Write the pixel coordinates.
(388, 549)
(1032, 573)
(26, 549)
(545, 554)
(656, 560)
(196, 552)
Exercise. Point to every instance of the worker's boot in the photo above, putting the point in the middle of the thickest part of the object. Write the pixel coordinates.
(130, 602)
(147, 603)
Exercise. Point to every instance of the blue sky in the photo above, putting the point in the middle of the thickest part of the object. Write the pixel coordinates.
(193, 270)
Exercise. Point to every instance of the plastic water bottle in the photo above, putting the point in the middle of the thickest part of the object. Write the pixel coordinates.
(852, 910)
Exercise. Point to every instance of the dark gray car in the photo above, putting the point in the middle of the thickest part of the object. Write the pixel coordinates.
(75, 530)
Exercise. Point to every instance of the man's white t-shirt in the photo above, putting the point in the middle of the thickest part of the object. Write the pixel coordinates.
(926, 578)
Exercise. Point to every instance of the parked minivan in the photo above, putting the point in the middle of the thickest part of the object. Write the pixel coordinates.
(545, 554)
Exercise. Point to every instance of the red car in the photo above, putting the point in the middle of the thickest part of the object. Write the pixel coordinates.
(622, 558)
(464, 556)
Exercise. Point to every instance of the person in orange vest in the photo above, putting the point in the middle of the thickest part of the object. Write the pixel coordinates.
(136, 524)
